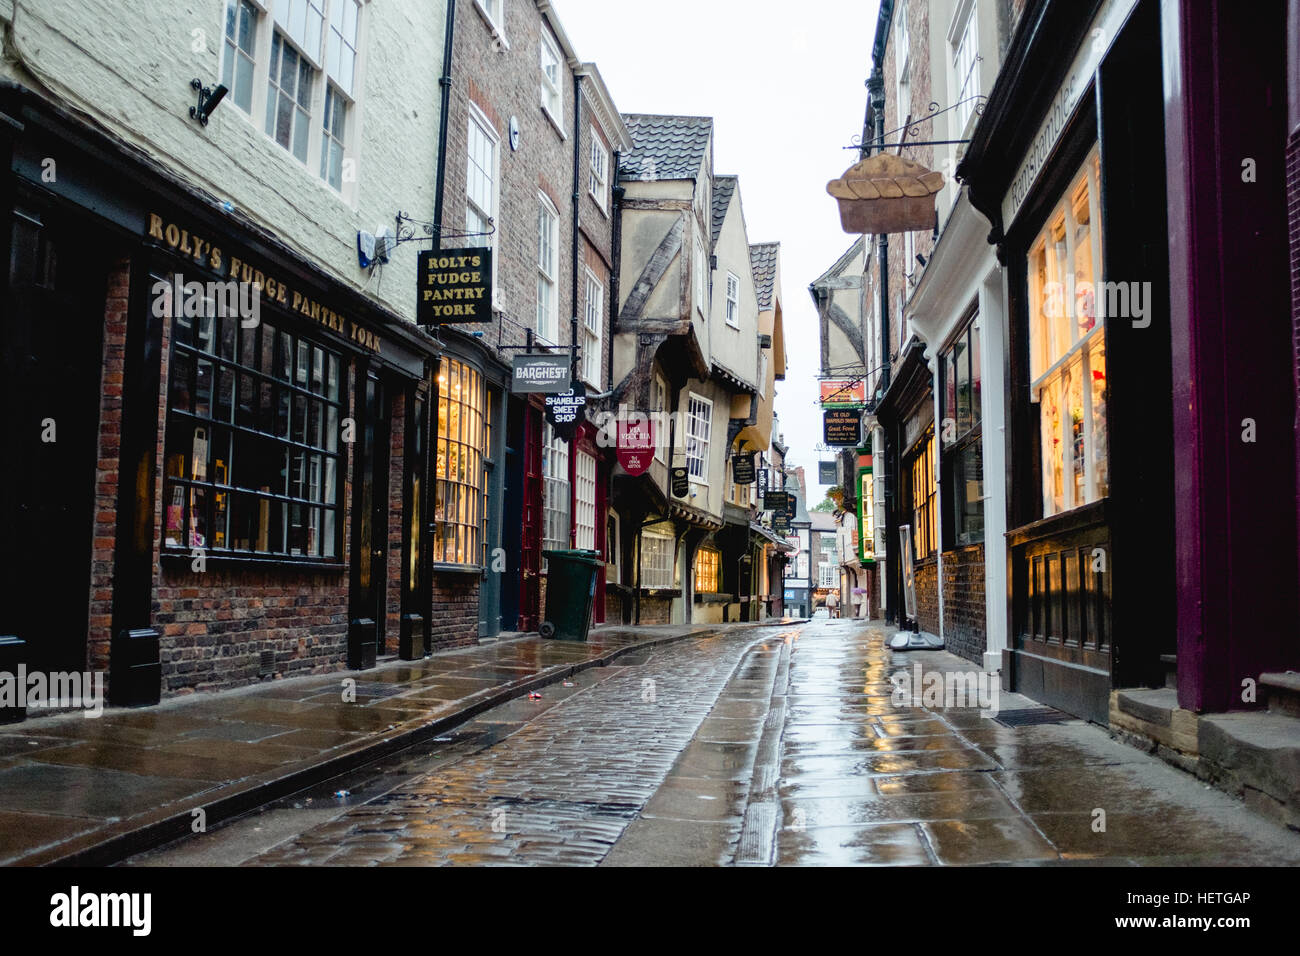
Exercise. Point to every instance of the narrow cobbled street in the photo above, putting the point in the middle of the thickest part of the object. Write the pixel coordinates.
(782, 744)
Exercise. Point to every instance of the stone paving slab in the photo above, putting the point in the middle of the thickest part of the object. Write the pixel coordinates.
(78, 790)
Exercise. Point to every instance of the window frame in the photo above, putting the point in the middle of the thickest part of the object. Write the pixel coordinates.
(551, 89)
(659, 403)
(556, 490)
(665, 573)
(707, 563)
(584, 499)
(918, 467)
(545, 207)
(732, 313)
(953, 481)
(598, 172)
(694, 442)
(1082, 360)
(317, 370)
(965, 30)
(477, 119)
(593, 331)
(469, 497)
(493, 13)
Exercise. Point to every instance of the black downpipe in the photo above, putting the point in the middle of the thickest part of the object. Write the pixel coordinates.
(616, 257)
(445, 83)
(577, 193)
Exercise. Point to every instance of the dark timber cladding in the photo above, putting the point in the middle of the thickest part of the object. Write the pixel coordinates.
(233, 427)
(1091, 543)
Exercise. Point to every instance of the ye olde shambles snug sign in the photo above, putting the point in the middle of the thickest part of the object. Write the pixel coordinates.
(841, 426)
(455, 285)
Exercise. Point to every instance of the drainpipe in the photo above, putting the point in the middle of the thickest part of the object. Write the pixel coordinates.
(573, 301)
(615, 255)
(445, 82)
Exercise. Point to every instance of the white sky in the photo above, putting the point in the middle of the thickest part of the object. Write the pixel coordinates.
(784, 83)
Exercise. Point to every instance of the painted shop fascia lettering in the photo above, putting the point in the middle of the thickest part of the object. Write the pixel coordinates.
(210, 256)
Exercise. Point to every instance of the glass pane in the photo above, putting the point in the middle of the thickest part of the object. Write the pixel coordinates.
(182, 371)
(949, 397)
(971, 494)
(266, 362)
(203, 390)
(229, 330)
(314, 424)
(266, 414)
(174, 519)
(246, 413)
(301, 375)
(243, 83)
(317, 370)
(328, 534)
(206, 336)
(198, 518)
(297, 541)
(333, 391)
(1060, 309)
(286, 357)
(961, 356)
(975, 395)
(282, 413)
(1085, 306)
(298, 432)
(224, 401)
(275, 515)
(1100, 394)
(1078, 457)
(1053, 455)
(331, 428)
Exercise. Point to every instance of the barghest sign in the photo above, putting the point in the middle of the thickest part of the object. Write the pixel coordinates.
(454, 286)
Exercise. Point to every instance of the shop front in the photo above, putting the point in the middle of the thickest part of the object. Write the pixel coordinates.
(1077, 201)
(231, 478)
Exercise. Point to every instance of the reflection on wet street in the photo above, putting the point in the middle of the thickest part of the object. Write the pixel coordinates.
(777, 745)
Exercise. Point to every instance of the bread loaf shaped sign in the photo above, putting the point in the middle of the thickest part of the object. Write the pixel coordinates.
(886, 193)
(636, 443)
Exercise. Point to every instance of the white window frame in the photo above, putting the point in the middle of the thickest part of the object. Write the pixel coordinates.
(598, 172)
(700, 265)
(478, 119)
(551, 91)
(230, 53)
(903, 64)
(584, 501)
(699, 433)
(659, 403)
(733, 300)
(963, 42)
(661, 574)
(555, 491)
(593, 330)
(493, 14)
(548, 270)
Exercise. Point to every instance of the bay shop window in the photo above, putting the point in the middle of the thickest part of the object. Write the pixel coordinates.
(459, 490)
(253, 463)
(1067, 347)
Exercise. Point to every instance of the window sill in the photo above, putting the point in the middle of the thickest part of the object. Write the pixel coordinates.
(176, 559)
(603, 207)
(493, 29)
(661, 592)
(713, 597)
(443, 567)
(558, 127)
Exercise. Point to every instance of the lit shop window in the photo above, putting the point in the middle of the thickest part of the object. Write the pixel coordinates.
(707, 563)
(461, 438)
(920, 468)
(252, 460)
(1067, 348)
(555, 490)
(657, 554)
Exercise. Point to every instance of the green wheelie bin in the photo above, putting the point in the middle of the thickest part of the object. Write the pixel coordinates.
(570, 593)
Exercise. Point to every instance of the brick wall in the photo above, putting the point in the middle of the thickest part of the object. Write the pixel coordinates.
(656, 610)
(926, 575)
(455, 610)
(964, 631)
(503, 83)
(100, 634)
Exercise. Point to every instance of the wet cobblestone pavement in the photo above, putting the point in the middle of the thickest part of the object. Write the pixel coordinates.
(774, 745)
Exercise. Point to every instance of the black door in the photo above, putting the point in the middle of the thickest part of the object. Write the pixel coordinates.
(51, 352)
(370, 509)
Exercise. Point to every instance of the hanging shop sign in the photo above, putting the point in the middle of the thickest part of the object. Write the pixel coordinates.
(454, 285)
(780, 523)
(843, 393)
(681, 482)
(826, 473)
(564, 410)
(636, 444)
(742, 469)
(841, 427)
(776, 501)
(540, 373)
(886, 193)
(762, 483)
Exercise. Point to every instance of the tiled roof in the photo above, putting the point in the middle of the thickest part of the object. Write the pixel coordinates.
(762, 259)
(723, 188)
(665, 147)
